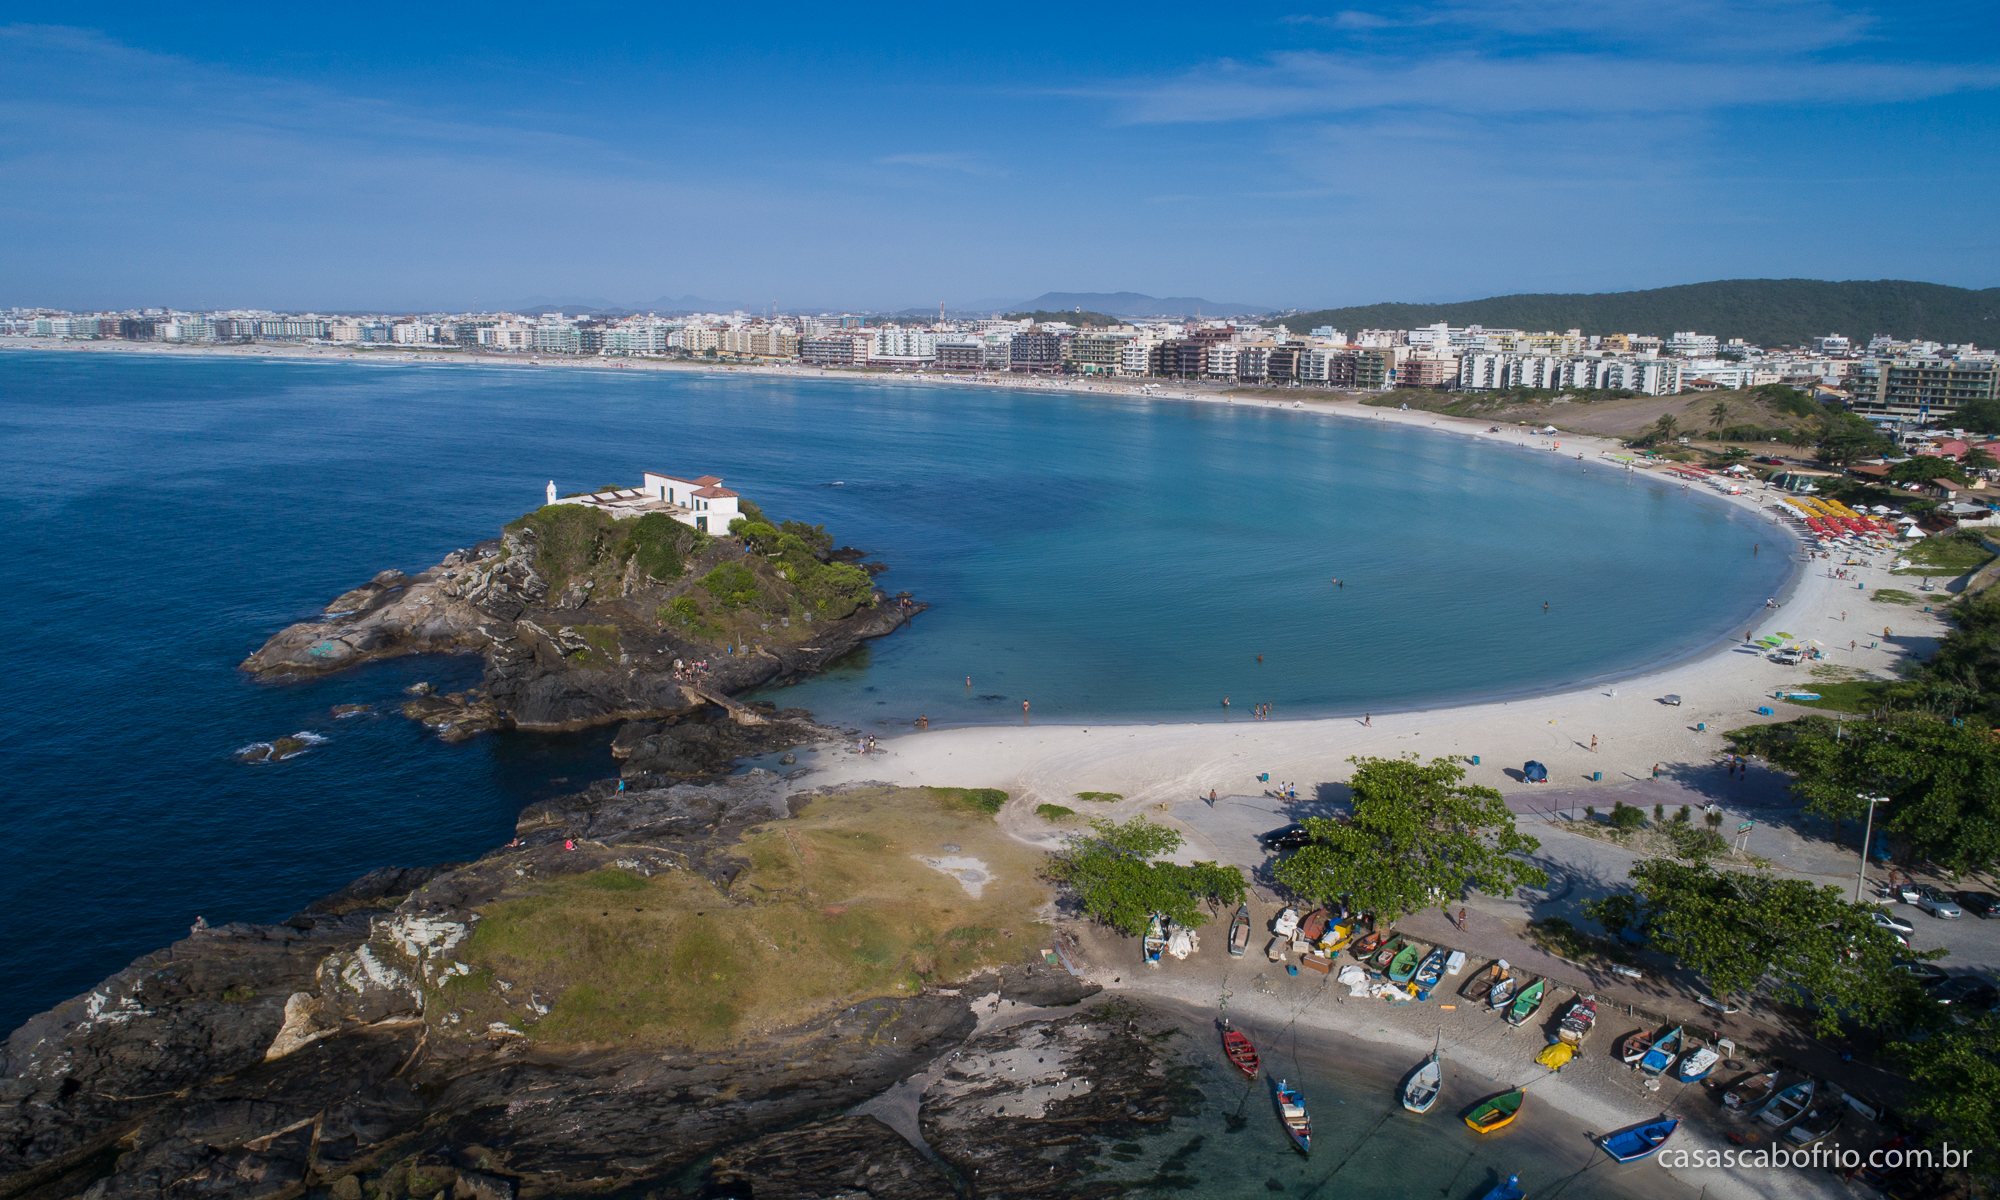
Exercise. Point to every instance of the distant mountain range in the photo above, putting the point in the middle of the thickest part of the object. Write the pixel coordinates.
(1763, 312)
(1134, 304)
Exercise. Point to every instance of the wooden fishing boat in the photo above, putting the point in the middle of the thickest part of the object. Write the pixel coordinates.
(1696, 1065)
(1497, 1113)
(1312, 926)
(1156, 940)
(1366, 945)
(1337, 937)
(1510, 1190)
(1661, 1054)
(1240, 1051)
(1421, 1090)
(1634, 1047)
(1475, 988)
(1635, 1142)
(1292, 1114)
(1239, 932)
(1578, 1021)
(1404, 965)
(1818, 1124)
(1744, 1098)
(1528, 1002)
(1503, 993)
(1427, 976)
(1786, 1106)
(1387, 954)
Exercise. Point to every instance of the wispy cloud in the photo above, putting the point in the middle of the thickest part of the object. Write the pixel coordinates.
(965, 164)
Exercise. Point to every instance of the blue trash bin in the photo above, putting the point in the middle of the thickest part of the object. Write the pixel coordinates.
(1475, 760)
(1597, 777)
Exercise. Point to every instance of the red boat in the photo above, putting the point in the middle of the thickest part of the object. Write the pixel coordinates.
(1313, 926)
(1240, 1052)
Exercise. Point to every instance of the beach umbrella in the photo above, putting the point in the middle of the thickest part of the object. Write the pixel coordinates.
(1784, 635)
(1535, 772)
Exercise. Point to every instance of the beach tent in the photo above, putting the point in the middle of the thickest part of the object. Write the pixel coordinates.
(1535, 772)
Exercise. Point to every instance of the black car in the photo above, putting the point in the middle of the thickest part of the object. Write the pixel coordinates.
(1927, 974)
(1291, 837)
(1979, 904)
(1967, 992)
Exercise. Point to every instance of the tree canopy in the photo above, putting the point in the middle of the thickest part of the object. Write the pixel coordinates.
(1844, 437)
(1942, 778)
(1736, 930)
(1926, 467)
(1112, 872)
(1958, 1080)
(1419, 835)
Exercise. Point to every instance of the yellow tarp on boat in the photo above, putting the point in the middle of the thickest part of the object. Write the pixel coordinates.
(1555, 1055)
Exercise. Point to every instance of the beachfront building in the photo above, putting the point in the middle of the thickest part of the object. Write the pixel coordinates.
(703, 503)
(1921, 389)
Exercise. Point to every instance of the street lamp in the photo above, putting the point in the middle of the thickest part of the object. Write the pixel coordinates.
(1867, 832)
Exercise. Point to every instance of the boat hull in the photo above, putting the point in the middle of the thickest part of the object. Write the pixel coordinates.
(1497, 1113)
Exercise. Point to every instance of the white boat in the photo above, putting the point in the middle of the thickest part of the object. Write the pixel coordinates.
(1286, 924)
(1421, 1091)
(1788, 1104)
(1698, 1063)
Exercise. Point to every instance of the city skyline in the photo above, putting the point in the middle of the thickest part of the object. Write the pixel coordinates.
(1285, 157)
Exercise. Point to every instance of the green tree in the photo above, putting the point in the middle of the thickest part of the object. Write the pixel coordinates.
(1978, 459)
(1419, 835)
(1942, 779)
(1958, 1081)
(1982, 416)
(1111, 871)
(1844, 437)
(1737, 930)
(1924, 468)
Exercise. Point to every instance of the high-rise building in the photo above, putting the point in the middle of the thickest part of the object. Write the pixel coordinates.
(1921, 388)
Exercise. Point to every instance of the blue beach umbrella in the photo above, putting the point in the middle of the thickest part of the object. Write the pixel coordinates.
(1536, 772)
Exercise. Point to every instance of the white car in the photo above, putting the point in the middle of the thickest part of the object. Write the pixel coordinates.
(1894, 924)
(1936, 903)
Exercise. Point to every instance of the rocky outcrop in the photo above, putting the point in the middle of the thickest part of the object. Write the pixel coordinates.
(564, 654)
(328, 1057)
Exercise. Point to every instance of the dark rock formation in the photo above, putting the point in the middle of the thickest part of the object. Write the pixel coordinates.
(588, 652)
(830, 1160)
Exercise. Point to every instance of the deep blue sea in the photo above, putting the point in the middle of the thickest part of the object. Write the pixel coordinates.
(1107, 559)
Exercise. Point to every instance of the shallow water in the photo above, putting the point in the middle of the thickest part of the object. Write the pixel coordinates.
(1111, 560)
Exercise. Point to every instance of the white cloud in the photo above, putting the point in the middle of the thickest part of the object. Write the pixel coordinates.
(965, 164)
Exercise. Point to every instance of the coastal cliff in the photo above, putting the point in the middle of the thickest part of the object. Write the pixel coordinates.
(420, 1033)
(583, 620)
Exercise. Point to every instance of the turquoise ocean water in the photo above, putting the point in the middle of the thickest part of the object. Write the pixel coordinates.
(1106, 559)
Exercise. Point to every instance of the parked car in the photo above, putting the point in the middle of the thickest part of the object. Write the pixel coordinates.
(1905, 891)
(1967, 992)
(1896, 924)
(1979, 904)
(1291, 837)
(1937, 903)
(1927, 974)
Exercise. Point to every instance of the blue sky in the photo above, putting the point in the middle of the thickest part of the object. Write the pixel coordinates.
(835, 156)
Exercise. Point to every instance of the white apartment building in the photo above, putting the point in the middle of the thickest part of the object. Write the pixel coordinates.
(696, 339)
(1493, 372)
(1220, 361)
(900, 342)
(1136, 356)
(1693, 345)
(1832, 343)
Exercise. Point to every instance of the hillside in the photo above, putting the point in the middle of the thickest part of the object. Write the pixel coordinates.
(1764, 312)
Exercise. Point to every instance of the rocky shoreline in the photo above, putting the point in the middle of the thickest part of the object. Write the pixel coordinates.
(571, 644)
(327, 1057)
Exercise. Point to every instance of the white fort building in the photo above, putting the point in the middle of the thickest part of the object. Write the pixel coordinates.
(703, 503)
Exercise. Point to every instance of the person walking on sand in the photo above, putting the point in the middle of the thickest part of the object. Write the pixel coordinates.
(1211, 797)
(1368, 720)
(1593, 743)
(1461, 920)
(1851, 644)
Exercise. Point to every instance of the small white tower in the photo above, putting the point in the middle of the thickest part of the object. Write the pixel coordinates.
(552, 491)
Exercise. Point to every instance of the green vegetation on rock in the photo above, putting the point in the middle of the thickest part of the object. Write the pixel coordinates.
(1054, 812)
(733, 585)
(1099, 797)
(569, 540)
(975, 800)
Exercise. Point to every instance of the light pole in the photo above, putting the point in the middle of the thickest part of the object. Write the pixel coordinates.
(1867, 832)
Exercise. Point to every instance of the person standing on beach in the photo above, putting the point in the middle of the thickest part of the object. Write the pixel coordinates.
(1593, 743)
(1461, 920)
(1367, 719)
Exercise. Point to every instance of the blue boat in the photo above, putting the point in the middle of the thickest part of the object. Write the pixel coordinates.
(1510, 1190)
(1662, 1053)
(1635, 1142)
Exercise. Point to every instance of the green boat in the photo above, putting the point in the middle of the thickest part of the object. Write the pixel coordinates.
(1527, 1002)
(1405, 964)
(1497, 1112)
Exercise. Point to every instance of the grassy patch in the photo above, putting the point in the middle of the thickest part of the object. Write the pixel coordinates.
(1892, 596)
(1949, 554)
(569, 540)
(1054, 812)
(601, 649)
(833, 906)
(1851, 695)
(1099, 797)
(974, 800)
